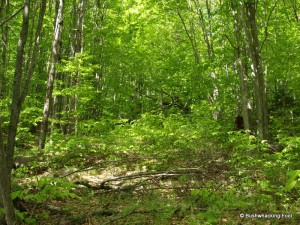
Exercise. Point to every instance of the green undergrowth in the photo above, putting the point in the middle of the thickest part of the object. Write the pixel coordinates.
(236, 175)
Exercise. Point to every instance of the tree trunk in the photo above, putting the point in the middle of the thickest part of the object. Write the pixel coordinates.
(76, 47)
(35, 51)
(4, 10)
(241, 60)
(260, 95)
(191, 38)
(205, 22)
(16, 101)
(18, 98)
(50, 82)
(5, 184)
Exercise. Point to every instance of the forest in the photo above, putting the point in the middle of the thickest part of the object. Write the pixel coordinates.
(150, 112)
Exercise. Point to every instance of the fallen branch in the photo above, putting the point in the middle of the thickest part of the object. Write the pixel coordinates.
(153, 175)
(95, 165)
(122, 188)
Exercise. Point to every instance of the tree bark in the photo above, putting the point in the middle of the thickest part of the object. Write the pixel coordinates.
(5, 156)
(260, 94)
(4, 10)
(18, 98)
(5, 184)
(35, 51)
(205, 22)
(76, 48)
(16, 101)
(241, 61)
(50, 82)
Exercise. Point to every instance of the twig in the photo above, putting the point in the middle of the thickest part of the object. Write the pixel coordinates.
(32, 211)
(10, 17)
(230, 42)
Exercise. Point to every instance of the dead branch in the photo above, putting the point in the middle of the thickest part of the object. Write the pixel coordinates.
(159, 174)
(96, 165)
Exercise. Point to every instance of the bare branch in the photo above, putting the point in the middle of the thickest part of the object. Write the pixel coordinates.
(153, 175)
(12, 16)
(230, 42)
(190, 38)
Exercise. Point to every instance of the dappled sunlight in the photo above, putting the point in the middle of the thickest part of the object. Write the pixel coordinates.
(149, 112)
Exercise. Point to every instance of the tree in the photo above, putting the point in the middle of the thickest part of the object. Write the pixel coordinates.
(20, 91)
(50, 82)
(5, 184)
(260, 95)
(4, 10)
(205, 17)
(76, 48)
(240, 35)
(7, 156)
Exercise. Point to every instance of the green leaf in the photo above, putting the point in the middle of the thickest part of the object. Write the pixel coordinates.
(290, 185)
(15, 194)
(293, 174)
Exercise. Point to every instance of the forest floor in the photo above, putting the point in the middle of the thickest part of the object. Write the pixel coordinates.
(126, 191)
(194, 188)
(117, 180)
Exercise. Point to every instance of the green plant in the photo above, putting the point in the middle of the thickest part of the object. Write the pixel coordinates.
(43, 190)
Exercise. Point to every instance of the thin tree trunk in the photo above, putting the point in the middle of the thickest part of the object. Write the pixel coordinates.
(4, 11)
(21, 93)
(4, 43)
(50, 82)
(206, 32)
(98, 49)
(205, 22)
(16, 100)
(76, 47)
(6, 157)
(18, 96)
(241, 58)
(35, 51)
(5, 184)
(260, 95)
(191, 38)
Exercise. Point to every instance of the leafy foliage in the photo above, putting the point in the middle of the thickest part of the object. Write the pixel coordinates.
(142, 124)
